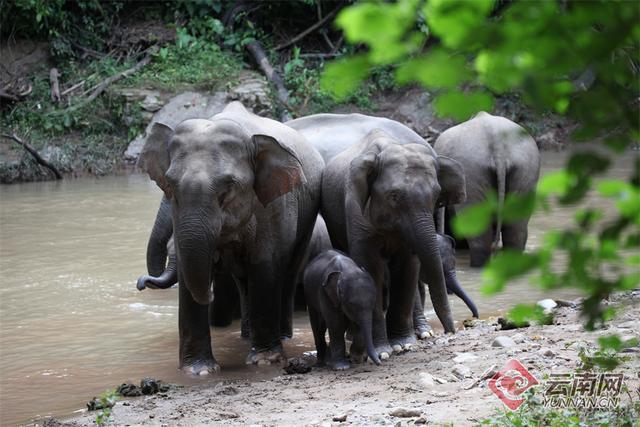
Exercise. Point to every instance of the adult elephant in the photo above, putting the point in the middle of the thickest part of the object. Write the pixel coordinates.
(497, 154)
(378, 199)
(244, 194)
(332, 134)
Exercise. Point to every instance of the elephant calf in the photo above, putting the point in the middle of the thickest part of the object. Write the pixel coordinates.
(338, 292)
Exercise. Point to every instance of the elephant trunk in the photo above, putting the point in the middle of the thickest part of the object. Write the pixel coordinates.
(365, 329)
(454, 286)
(195, 245)
(160, 235)
(425, 242)
(168, 278)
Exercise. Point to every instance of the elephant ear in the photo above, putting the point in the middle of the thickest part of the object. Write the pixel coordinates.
(361, 176)
(331, 285)
(154, 158)
(451, 177)
(277, 169)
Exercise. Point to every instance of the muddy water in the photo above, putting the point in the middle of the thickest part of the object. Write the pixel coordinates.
(72, 323)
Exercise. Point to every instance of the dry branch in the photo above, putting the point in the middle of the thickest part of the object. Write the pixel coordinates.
(72, 88)
(309, 30)
(55, 85)
(34, 153)
(107, 82)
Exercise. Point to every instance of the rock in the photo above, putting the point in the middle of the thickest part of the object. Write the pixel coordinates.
(253, 91)
(426, 380)
(439, 393)
(228, 415)
(340, 418)
(547, 305)
(129, 390)
(549, 142)
(461, 371)
(464, 357)
(440, 380)
(297, 365)
(405, 413)
(151, 103)
(518, 338)
(503, 341)
(187, 105)
(421, 420)
(149, 386)
(578, 346)
(546, 352)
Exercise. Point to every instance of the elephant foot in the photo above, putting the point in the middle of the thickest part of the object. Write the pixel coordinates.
(424, 331)
(340, 365)
(403, 343)
(268, 357)
(384, 350)
(201, 367)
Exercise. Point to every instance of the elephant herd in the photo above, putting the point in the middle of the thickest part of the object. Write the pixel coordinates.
(242, 194)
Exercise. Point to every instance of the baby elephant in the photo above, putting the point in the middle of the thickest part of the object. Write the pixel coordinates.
(340, 294)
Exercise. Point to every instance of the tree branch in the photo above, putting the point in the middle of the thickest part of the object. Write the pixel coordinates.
(55, 85)
(309, 30)
(34, 153)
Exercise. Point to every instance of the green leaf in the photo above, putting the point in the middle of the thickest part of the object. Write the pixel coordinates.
(505, 266)
(437, 69)
(518, 207)
(341, 78)
(557, 182)
(524, 314)
(462, 105)
(455, 22)
(474, 220)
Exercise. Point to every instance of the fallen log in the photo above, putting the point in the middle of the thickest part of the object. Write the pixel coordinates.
(38, 158)
(72, 88)
(258, 53)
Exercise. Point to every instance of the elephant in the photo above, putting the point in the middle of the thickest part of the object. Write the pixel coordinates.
(447, 249)
(245, 193)
(497, 154)
(378, 200)
(340, 294)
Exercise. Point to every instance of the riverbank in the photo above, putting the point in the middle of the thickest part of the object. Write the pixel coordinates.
(443, 380)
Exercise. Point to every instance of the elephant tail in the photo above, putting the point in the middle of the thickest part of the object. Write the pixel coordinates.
(501, 177)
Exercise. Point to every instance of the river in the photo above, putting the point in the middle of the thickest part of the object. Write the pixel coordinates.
(72, 323)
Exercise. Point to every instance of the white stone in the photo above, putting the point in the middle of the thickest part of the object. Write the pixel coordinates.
(503, 341)
(464, 357)
(461, 371)
(547, 305)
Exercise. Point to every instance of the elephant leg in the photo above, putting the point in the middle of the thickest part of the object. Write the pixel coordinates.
(286, 317)
(404, 270)
(514, 236)
(265, 306)
(420, 325)
(375, 265)
(196, 356)
(480, 248)
(336, 325)
(245, 324)
(358, 345)
(319, 328)
(225, 301)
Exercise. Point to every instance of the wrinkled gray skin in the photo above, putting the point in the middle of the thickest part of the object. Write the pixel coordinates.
(497, 154)
(332, 134)
(446, 246)
(378, 199)
(244, 194)
(339, 295)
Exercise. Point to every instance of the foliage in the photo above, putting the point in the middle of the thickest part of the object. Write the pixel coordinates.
(192, 62)
(607, 357)
(107, 401)
(532, 413)
(579, 59)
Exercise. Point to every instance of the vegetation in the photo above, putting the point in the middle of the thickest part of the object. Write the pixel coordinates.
(532, 413)
(105, 404)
